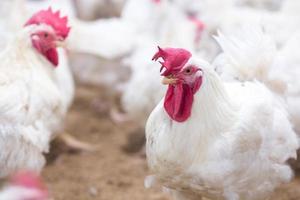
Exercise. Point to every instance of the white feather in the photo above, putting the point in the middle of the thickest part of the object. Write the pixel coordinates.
(236, 140)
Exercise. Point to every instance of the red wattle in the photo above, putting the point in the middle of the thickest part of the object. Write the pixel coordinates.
(52, 56)
(178, 102)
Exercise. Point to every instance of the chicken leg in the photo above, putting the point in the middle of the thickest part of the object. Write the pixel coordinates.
(75, 144)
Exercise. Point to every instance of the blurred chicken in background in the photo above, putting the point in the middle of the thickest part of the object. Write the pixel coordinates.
(24, 185)
(251, 54)
(35, 76)
(35, 98)
(94, 9)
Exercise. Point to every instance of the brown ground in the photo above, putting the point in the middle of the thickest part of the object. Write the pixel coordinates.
(110, 173)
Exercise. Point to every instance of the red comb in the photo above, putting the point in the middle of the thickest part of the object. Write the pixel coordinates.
(28, 180)
(59, 24)
(174, 59)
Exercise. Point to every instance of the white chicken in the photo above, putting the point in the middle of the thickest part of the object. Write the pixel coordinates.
(252, 54)
(109, 38)
(97, 47)
(33, 103)
(63, 75)
(19, 8)
(216, 140)
(116, 37)
(24, 185)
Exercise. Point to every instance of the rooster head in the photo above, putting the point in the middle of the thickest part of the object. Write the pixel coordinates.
(49, 34)
(184, 81)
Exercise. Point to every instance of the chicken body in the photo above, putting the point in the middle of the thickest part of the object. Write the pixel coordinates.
(63, 76)
(233, 146)
(11, 20)
(116, 37)
(64, 81)
(32, 105)
(143, 90)
(19, 8)
(253, 55)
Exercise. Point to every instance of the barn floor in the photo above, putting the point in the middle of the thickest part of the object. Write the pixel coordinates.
(111, 173)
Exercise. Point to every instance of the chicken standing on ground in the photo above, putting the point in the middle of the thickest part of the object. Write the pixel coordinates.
(216, 140)
(63, 76)
(35, 95)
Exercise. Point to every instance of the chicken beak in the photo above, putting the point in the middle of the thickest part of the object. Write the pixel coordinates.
(169, 81)
(60, 43)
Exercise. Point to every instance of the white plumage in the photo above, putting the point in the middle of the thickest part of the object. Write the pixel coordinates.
(252, 54)
(233, 146)
(35, 99)
(109, 38)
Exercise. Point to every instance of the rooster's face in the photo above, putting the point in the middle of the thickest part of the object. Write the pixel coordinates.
(49, 33)
(190, 75)
(45, 41)
(184, 81)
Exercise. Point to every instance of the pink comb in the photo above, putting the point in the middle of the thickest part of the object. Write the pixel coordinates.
(59, 24)
(174, 59)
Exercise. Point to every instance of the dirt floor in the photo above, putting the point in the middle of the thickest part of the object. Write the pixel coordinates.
(111, 173)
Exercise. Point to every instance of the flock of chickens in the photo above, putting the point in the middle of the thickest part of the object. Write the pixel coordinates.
(220, 98)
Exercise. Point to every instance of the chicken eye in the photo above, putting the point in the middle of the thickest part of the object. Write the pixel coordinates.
(188, 71)
(46, 35)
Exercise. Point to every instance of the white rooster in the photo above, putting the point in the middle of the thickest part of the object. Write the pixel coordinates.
(34, 101)
(19, 8)
(216, 140)
(63, 75)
